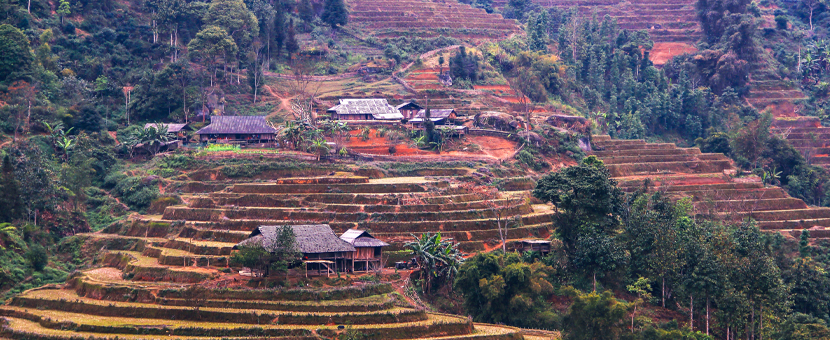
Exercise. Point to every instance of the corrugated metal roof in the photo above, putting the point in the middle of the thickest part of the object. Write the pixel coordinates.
(171, 127)
(311, 238)
(378, 108)
(435, 114)
(361, 238)
(237, 124)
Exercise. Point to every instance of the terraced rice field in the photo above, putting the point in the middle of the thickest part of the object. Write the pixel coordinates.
(665, 20)
(423, 18)
(808, 136)
(769, 92)
(707, 179)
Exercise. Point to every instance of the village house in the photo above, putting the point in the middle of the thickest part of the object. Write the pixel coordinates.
(368, 250)
(173, 129)
(364, 109)
(237, 129)
(437, 116)
(409, 109)
(542, 246)
(322, 251)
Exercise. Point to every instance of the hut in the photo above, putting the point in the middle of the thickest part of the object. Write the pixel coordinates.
(437, 116)
(321, 249)
(174, 130)
(541, 246)
(368, 250)
(237, 129)
(364, 109)
(409, 109)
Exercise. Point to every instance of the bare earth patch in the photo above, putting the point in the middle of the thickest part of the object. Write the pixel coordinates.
(662, 52)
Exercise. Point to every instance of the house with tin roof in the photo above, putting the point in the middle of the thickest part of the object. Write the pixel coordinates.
(364, 109)
(368, 250)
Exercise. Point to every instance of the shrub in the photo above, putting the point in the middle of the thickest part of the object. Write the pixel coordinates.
(159, 204)
(37, 257)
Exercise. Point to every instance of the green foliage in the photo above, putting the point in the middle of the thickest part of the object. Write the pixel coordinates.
(594, 316)
(587, 198)
(17, 58)
(438, 258)
(465, 66)
(716, 142)
(136, 192)
(501, 288)
(37, 257)
(531, 161)
(335, 13)
(10, 198)
(277, 254)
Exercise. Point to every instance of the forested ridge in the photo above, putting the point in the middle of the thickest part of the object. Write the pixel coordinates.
(79, 79)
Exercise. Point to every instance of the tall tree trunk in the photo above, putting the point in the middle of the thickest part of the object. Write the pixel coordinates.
(29, 7)
(692, 313)
(664, 292)
(707, 314)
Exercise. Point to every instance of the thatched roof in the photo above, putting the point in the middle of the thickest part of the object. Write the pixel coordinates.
(237, 125)
(171, 128)
(378, 108)
(434, 115)
(361, 238)
(311, 238)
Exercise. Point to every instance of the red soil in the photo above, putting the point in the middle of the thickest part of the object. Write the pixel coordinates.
(781, 109)
(494, 147)
(662, 52)
(492, 87)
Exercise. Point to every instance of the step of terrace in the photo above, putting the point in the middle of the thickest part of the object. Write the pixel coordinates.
(632, 146)
(608, 160)
(786, 203)
(794, 224)
(812, 151)
(291, 214)
(68, 301)
(812, 143)
(680, 179)
(268, 188)
(820, 160)
(736, 194)
(796, 122)
(795, 130)
(780, 215)
(656, 168)
(810, 135)
(365, 199)
(703, 187)
(471, 235)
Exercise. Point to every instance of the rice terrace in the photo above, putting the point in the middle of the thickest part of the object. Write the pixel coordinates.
(415, 169)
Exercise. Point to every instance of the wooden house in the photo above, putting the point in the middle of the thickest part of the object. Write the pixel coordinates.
(541, 246)
(174, 130)
(437, 116)
(238, 129)
(368, 250)
(321, 249)
(409, 109)
(364, 109)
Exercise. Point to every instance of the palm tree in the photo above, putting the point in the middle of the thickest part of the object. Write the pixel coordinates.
(320, 147)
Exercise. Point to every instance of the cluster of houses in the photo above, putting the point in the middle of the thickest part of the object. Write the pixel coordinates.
(255, 129)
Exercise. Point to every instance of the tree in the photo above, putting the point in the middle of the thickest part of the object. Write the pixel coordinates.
(597, 253)
(584, 195)
(276, 254)
(63, 9)
(22, 94)
(306, 13)
(335, 13)
(10, 198)
(593, 316)
(234, 17)
(280, 32)
(291, 44)
(642, 288)
(813, 5)
(212, 42)
(17, 58)
(153, 137)
(255, 72)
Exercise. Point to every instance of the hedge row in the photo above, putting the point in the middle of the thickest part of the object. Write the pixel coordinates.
(213, 235)
(330, 198)
(193, 314)
(437, 329)
(196, 249)
(139, 228)
(199, 261)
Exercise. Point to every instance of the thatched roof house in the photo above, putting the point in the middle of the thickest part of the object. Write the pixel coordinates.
(364, 109)
(311, 239)
(237, 128)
